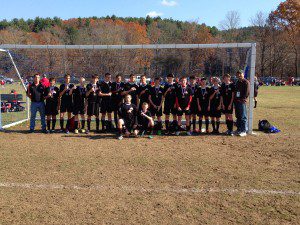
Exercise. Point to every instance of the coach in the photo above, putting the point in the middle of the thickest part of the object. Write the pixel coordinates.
(242, 90)
(35, 92)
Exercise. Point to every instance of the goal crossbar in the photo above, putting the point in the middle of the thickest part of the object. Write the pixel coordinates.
(250, 46)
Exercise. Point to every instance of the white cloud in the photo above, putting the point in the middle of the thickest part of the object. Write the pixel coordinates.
(169, 3)
(154, 14)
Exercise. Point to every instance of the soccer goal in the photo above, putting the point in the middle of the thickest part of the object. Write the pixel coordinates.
(151, 59)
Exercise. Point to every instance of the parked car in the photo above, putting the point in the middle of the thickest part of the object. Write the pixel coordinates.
(6, 79)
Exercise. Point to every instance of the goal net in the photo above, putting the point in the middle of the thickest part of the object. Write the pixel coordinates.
(200, 60)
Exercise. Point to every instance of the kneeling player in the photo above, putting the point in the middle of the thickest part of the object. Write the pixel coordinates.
(183, 103)
(215, 105)
(79, 105)
(145, 121)
(128, 118)
(227, 97)
(156, 100)
(52, 98)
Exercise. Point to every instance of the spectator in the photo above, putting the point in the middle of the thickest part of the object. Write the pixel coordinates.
(45, 82)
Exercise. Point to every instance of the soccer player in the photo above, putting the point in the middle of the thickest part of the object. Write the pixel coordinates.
(215, 105)
(52, 99)
(145, 120)
(143, 91)
(128, 118)
(183, 104)
(203, 103)
(131, 88)
(66, 102)
(117, 88)
(227, 97)
(106, 104)
(93, 99)
(156, 94)
(194, 107)
(79, 99)
(169, 103)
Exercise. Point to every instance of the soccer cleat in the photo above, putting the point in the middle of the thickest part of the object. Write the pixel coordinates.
(82, 130)
(177, 133)
(31, 131)
(87, 131)
(243, 134)
(230, 133)
(52, 131)
(67, 131)
(120, 137)
(76, 131)
(237, 133)
(189, 133)
(150, 137)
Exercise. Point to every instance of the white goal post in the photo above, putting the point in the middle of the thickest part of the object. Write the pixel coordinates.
(250, 46)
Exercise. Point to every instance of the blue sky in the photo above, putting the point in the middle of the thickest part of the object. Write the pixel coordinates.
(210, 12)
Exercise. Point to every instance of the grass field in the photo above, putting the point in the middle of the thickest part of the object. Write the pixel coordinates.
(96, 179)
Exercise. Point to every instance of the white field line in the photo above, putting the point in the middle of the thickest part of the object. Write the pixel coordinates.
(149, 190)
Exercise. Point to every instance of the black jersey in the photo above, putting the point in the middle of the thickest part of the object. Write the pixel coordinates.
(66, 97)
(171, 95)
(194, 90)
(36, 92)
(79, 95)
(226, 92)
(133, 94)
(156, 95)
(117, 89)
(94, 95)
(183, 96)
(215, 101)
(105, 88)
(203, 95)
(54, 94)
(142, 120)
(143, 97)
(128, 112)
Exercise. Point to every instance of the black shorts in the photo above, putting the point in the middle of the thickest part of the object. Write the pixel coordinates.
(129, 127)
(194, 108)
(183, 111)
(169, 109)
(215, 113)
(115, 104)
(66, 107)
(227, 111)
(203, 111)
(143, 127)
(93, 109)
(51, 108)
(78, 110)
(106, 106)
(155, 112)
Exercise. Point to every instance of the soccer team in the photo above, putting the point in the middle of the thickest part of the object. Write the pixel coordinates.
(135, 107)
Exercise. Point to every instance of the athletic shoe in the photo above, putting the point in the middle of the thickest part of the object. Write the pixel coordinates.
(243, 134)
(230, 133)
(82, 130)
(87, 131)
(177, 133)
(120, 137)
(189, 133)
(203, 130)
(159, 132)
(45, 131)
(150, 137)
(52, 131)
(237, 132)
(67, 131)
(76, 131)
(227, 132)
(31, 131)
(143, 133)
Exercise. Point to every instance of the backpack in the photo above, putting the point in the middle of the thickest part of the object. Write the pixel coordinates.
(267, 127)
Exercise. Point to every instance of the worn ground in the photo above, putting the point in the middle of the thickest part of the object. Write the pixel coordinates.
(96, 179)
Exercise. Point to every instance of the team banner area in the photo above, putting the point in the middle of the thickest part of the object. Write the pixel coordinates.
(18, 63)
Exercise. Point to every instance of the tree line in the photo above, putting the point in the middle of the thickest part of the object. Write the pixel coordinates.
(277, 36)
